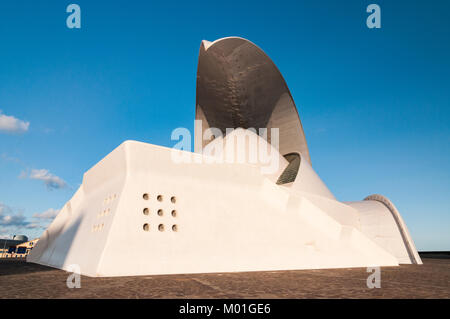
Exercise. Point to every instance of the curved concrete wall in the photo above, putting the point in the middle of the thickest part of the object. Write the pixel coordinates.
(199, 215)
(229, 217)
(238, 85)
(308, 181)
(382, 223)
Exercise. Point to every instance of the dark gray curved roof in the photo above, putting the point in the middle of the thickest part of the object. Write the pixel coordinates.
(238, 85)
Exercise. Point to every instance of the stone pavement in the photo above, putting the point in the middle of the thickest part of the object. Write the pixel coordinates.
(19, 279)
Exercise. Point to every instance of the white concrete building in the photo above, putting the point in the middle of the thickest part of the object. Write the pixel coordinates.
(140, 212)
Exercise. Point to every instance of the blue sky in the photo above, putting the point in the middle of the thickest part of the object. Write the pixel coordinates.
(374, 103)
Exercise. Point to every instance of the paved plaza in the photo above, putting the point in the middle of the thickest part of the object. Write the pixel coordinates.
(19, 279)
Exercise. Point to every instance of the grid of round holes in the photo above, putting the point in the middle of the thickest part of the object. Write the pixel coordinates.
(160, 212)
(104, 212)
(109, 199)
(146, 211)
(97, 227)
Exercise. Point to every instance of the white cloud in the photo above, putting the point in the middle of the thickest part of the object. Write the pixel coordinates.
(11, 217)
(49, 214)
(43, 220)
(13, 221)
(8, 158)
(10, 124)
(50, 180)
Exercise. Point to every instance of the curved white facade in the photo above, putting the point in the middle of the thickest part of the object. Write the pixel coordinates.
(238, 85)
(140, 212)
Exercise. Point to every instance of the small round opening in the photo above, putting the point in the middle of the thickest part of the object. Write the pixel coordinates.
(173, 199)
(145, 196)
(174, 213)
(160, 212)
(175, 228)
(146, 227)
(161, 227)
(146, 211)
(159, 198)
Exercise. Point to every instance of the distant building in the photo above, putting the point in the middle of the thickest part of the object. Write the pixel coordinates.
(18, 247)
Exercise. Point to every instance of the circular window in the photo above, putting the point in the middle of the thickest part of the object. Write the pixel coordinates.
(159, 198)
(146, 211)
(173, 199)
(145, 196)
(161, 227)
(174, 213)
(146, 227)
(175, 228)
(160, 212)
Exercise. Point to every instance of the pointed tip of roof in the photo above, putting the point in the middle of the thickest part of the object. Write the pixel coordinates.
(206, 44)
